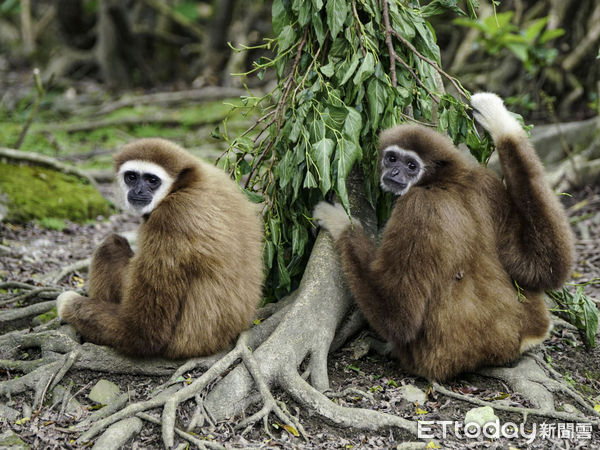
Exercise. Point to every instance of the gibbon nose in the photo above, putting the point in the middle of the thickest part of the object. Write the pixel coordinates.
(395, 172)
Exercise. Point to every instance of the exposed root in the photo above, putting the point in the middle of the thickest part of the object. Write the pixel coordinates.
(359, 418)
(188, 437)
(525, 412)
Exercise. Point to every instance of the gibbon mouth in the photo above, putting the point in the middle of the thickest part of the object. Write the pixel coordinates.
(138, 202)
(395, 185)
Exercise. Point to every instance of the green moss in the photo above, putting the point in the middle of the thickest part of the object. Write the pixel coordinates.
(36, 193)
(46, 317)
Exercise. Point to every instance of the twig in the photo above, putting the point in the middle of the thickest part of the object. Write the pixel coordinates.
(356, 24)
(525, 412)
(432, 63)
(34, 109)
(76, 266)
(388, 41)
(279, 108)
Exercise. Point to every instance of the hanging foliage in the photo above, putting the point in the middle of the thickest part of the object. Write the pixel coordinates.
(345, 71)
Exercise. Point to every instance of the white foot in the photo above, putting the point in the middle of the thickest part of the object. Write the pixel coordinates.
(63, 300)
(490, 112)
(332, 217)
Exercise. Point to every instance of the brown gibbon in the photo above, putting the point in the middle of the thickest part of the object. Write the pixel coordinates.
(196, 278)
(457, 282)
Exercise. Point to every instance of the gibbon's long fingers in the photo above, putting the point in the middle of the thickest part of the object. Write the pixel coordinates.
(490, 112)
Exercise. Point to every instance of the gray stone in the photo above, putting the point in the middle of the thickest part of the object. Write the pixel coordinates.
(413, 394)
(10, 439)
(481, 416)
(8, 413)
(73, 408)
(118, 434)
(103, 392)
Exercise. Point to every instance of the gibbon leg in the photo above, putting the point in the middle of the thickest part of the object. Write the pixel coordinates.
(536, 243)
(97, 320)
(107, 269)
(113, 324)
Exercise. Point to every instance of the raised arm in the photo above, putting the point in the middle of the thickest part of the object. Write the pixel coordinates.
(535, 242)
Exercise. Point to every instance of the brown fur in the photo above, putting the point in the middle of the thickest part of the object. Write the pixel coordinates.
(440, 286)
(196, 278)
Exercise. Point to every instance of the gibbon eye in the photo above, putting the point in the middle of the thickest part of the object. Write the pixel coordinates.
(391, 157)
(411, 165)
(130, 177)
(152, 180)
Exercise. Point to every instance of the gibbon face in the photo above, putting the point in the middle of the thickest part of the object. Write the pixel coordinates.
(400, 169)
(143, 184)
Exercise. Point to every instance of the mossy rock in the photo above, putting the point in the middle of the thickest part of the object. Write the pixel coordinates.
(38, 193)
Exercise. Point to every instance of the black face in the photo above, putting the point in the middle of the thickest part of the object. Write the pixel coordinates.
(400, 169)
(141, 187)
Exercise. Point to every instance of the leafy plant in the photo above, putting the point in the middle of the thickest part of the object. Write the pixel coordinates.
(579, 310)
(528, 45)
(345, 70)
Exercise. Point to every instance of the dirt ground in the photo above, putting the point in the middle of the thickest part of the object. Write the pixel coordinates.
(29, 252)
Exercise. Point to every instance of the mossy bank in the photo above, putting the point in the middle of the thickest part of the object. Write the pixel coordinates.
(37, 193)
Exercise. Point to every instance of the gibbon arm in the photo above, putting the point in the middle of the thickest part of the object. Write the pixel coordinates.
(392, 316)
(535, 244)
(108, 269)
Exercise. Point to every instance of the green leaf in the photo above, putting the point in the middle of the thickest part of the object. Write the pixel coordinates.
(304, 12)
(377, 99)
(284, 275)
(287, 37)
(519, 50)
(348, 69)
(328, 70)
(348, 152)
(318, 26)
(548, 35)
(254, 197)
(280, 16)
(321, 154)
(275, 229)
(309, 181)
(534, 30)
(269, 254)
(353, 126)
(440, 7)
(367, 68)
(337, 11)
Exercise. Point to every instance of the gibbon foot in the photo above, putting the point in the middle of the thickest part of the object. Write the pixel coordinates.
(63, 300)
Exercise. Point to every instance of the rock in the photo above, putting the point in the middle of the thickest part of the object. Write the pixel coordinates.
(548, 139)
(103, 392)
(481, 416)
(10, 439)
(118, 434)
(73, 408)
(413, 394)
(8, 413)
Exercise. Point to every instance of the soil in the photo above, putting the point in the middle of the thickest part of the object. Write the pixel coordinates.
(30, 252)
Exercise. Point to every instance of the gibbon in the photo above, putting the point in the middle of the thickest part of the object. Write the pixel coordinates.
(196, 278)
(458, 279)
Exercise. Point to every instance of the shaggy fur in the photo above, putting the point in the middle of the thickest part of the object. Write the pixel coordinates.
(196, 279)
(441, 286)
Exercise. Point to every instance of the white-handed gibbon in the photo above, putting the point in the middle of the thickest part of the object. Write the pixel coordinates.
(196, 278)
(458, 279)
